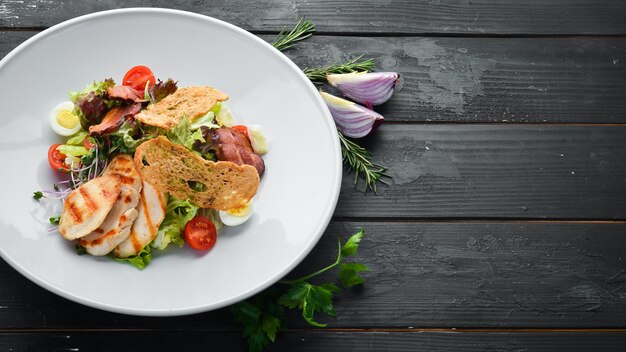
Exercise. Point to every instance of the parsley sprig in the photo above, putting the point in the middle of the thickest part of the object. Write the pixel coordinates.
(263, 315)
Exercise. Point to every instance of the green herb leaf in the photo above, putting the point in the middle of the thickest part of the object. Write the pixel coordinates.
(348, 273)
(310, 299)
(37, 195)
(302, 30)
(352, 245)
(262, 317)
(80, 250)
(55, 220)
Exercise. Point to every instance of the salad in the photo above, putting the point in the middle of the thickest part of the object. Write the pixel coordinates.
(146, 164)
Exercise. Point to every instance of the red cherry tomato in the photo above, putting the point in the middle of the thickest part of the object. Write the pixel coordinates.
(137, 77)
(243, 129)
(88, 144)
(200, 233)
(56, 159)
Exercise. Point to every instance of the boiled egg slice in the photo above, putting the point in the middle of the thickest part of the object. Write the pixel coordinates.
(236, 216)
(63, 121)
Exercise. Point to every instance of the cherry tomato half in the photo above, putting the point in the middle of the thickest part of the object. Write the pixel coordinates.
(243, 129)
(56, 159)
(200, 233)
(137, 77)
(88, 144)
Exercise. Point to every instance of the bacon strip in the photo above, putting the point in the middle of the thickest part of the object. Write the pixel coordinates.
(126, 93)
(114, 118)
(232, 145)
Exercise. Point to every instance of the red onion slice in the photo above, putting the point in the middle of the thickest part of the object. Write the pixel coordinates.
(369, 88)
(352, 119)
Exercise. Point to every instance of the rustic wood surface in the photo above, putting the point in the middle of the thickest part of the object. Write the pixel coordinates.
(503, 226)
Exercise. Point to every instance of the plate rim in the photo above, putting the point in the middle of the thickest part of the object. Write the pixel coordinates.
(319, 230)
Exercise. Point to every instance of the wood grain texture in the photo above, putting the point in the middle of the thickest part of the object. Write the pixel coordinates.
(495, 171)
(489, 80)
(313, 341)
(476, 17)
(423, 275)
(478, 80)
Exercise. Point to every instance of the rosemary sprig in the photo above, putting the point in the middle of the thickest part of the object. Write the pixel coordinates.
(302, 30)
(359, 159)
(318, 75)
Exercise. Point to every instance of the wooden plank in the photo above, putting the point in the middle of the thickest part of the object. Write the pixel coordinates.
(476, 17)
(495, 171)
(315, 341)
(479, 80)
(423, 275)
(487, 79)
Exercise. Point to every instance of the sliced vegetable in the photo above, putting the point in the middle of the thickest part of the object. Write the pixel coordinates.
(243, 129)
(352, 119)
(200, 233)
(56, 159)
(73, 150)
(369, 88)
(138, 77)
(257, 139)
(78, 138)
(224, 116)
(88, 143)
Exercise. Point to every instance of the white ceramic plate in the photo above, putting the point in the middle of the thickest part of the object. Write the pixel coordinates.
(294, 204)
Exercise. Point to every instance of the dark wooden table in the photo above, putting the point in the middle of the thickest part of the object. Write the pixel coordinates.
(504, 228)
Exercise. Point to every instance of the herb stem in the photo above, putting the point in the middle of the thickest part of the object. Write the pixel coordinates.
(302, 30)
(306, 277)
(318, 75)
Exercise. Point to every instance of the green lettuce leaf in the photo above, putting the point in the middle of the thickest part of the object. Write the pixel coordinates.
(91, 104)
(141, 260)
(183, 135)
(177, 213)
(129, 136)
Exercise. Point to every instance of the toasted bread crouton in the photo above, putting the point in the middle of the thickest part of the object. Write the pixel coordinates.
(195, 101)
(88, 205)
(172, 168)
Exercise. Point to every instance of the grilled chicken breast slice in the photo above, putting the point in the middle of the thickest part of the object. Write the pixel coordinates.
(87, 206)
(123, 166)
(151, 212)
(116, 227)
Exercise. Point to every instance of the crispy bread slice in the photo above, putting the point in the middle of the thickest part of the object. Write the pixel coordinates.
(174, 169)
(194, 101)
(88, 205)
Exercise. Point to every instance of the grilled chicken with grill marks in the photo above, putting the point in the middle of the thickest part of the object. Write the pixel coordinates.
(87, 206)
(151, 212)
(116, 226)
